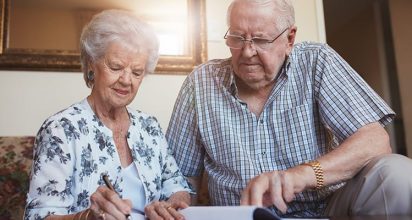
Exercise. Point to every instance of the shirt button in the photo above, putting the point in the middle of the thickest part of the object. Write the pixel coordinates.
(264, 153)
(261, 121)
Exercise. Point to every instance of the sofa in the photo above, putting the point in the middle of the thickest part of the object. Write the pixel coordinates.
(16, 153)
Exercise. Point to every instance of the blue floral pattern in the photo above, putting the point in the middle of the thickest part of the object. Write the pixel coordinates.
(73, 149)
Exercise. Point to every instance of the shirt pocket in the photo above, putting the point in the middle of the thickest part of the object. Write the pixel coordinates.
(295, 133)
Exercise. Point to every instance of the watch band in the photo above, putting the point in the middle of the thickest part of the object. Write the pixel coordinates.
(318, 173)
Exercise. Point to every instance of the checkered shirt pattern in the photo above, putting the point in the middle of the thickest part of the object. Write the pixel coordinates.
(316, 94)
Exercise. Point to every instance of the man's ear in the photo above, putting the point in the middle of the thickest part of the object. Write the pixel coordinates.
(291, 38)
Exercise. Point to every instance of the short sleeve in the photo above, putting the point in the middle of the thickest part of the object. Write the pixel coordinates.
(346, 102)
(51, 175)
(172, 179)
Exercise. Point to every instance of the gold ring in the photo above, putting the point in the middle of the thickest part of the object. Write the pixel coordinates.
(102, 215)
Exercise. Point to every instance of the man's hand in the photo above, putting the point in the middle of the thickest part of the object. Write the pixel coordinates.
(278, 187)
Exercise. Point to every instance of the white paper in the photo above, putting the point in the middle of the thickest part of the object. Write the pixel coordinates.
(218, 212)
(137, 216)
(225, 213)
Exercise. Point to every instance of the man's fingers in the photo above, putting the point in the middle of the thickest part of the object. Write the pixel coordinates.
(276, 192)
(288, 191)
(244, 199)
(257, 190)
(268, 189)
(253, 194)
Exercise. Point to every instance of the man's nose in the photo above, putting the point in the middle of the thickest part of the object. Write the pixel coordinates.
(249, 49)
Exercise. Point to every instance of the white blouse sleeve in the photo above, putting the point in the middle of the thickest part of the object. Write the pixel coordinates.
(172, 179)
(51, 182)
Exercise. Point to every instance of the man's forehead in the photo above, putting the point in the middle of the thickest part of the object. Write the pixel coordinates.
(249, 22)
(252, 12)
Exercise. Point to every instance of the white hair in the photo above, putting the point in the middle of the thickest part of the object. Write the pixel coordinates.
(282, 8)
(118, 26)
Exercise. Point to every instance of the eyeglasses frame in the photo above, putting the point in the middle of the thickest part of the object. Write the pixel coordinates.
(251, 40)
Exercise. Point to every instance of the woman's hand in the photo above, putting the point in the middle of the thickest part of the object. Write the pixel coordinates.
(164, 210)
(107, 205)
(168, 209)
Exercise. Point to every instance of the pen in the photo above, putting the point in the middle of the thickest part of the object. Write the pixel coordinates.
(110, 186)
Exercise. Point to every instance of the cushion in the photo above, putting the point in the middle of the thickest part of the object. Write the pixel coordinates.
(16, 154)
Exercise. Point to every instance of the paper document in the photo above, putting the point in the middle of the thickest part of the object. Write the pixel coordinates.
(231, 212)
(227, 212)
(137, 216)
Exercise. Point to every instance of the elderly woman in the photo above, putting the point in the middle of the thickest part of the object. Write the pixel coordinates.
(100, 136)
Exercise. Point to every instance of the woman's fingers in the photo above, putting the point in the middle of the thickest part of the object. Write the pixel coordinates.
(156, 210)
(105, 202)
(164, 210)
(180, 205)
(176, 215)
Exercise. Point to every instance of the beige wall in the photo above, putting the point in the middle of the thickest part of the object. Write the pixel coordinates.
(27, 98)
(401, 18)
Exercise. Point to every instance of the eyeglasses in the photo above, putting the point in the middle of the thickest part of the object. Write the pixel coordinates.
(238, 42)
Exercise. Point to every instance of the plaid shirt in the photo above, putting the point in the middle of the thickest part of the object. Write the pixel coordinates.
(316, 92)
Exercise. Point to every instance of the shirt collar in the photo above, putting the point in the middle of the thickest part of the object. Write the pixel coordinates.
(230, 82)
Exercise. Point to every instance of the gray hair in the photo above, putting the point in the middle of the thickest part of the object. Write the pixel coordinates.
(282, 7)
(118, 26)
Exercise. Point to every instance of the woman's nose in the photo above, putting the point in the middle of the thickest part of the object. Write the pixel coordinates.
(126, 77)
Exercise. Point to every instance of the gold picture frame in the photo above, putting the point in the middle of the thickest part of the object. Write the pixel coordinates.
(68, 60)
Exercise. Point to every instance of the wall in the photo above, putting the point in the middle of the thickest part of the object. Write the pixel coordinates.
(27, 97)
(357, 39)
(401, 19)
(361, 36)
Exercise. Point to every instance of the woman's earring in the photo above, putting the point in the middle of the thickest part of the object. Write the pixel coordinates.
(90, 75)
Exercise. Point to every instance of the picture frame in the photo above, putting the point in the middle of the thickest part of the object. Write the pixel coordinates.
(61, 59)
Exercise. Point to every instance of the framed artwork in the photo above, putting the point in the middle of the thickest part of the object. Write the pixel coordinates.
(44, 34)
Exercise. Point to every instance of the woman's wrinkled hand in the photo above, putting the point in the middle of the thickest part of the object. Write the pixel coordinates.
(160, 210)
(107, 205)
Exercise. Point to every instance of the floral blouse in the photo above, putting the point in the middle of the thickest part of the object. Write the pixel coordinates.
(73, 149)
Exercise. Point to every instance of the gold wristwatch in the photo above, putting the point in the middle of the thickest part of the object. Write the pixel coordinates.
(318, 173)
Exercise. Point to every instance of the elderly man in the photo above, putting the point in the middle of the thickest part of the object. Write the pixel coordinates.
(290, 127)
